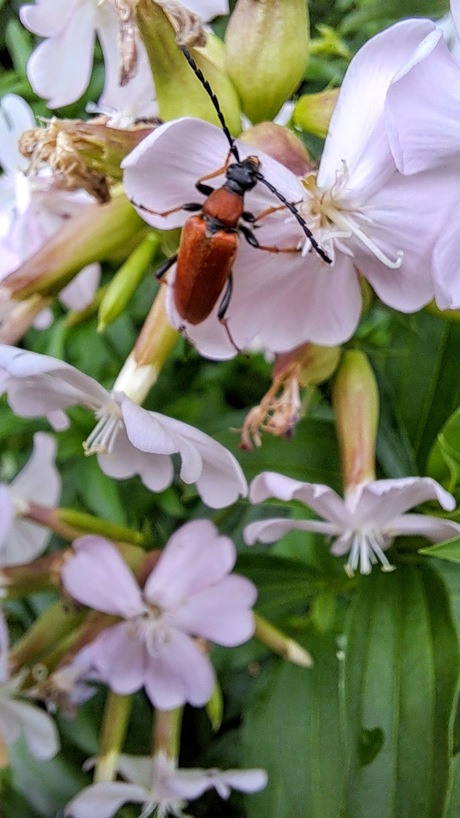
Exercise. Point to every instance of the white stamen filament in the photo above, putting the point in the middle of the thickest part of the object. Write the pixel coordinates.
(323, 211)
(347, 224)
(102, 438)
(366, 549)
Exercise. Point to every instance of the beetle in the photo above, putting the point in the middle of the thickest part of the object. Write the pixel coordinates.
(210, 239)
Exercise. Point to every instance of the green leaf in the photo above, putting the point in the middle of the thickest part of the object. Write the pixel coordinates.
(283, 584)
(444, 457)
(449, 550)
(400, 679)
(291, 729)
(421, 375)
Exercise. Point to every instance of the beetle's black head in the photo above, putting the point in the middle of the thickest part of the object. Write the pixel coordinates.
(241, 176)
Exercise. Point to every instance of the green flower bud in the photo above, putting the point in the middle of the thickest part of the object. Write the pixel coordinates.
(313, 112)
(266, 45)
(356, 405)
(91, 235)
(125, 283)
(179, 91)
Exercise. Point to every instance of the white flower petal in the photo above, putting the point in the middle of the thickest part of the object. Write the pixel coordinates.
(104, 799)
(39, 730)
(60, 67)
(357, 135)
(98, 577)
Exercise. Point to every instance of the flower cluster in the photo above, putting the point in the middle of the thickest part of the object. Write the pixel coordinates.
(279, 253)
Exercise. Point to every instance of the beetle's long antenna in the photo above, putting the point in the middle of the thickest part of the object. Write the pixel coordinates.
(214, 100)
(317, 247)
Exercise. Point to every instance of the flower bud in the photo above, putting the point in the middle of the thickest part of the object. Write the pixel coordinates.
(179, 92)
(356, 407)
(313, 112)
(281, 144)
(125, 283)
(91, 235)
(266, 46)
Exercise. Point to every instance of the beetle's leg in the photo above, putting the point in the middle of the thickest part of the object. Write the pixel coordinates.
(268, 211)
(223, 307)
(206, 190)
(254, 242)
(212, 175)
(163, 268)
(163, 213)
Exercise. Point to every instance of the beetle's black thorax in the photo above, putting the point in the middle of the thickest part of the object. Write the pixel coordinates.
(241, 176)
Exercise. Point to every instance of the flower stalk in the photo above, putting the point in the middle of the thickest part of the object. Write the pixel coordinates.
(114, 727)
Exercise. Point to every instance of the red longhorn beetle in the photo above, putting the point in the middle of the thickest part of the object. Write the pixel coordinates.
(209, 240)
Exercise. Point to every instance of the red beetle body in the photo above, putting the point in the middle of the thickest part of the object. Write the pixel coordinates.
(207, 251)
(204, 265)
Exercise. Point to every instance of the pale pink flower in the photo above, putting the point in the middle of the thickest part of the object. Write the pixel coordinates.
(18, 717)
(33, 208)
(22, 540)
(369, 219)
(190, 593)
(159, 787)
(60, 68)
(364, 524)
(128, 440)
(423, 125)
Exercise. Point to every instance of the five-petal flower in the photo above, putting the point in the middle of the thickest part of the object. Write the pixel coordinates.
(189, 594)
(128, 440)
(160, 787)
(364, 524)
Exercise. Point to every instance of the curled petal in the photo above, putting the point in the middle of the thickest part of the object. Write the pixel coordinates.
(383, 500)
(322, 499)
(433, 87)
(217, 474)
(42, 385)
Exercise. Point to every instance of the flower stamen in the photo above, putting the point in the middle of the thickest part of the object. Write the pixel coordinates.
(102, 439)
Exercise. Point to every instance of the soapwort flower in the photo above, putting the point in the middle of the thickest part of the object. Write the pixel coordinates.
(18, 717)
(22, 540)
(60, 68)
(127, 439)
(370, 220)
(33, 207)
(189, 594)
(159, 787)
(364, 524)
